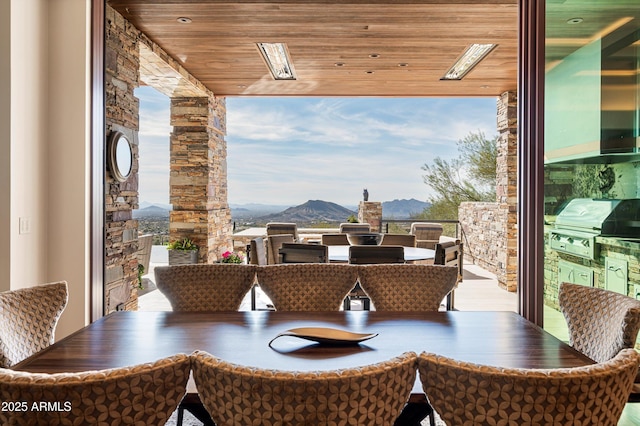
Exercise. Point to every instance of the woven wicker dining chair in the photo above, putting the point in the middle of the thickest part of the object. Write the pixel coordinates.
(368, 395)
(601, 323)
(397, 287)
(145, 394)
(198, 288)
(466, 394)
(307, 286)
(28, 319)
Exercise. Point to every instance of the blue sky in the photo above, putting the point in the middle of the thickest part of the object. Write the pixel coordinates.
(286, 151)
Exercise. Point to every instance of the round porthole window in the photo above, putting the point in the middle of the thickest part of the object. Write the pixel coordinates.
(120, 156)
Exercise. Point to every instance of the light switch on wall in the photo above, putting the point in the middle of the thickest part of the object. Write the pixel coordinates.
(25, 225)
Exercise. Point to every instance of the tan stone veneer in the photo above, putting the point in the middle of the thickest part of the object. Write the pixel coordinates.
(489, 230)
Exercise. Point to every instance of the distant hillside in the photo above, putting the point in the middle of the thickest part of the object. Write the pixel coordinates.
(151, 211)
(252, 211)
(313, 211)
(403, 209)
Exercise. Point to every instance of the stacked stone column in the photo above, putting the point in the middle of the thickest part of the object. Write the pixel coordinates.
(371, 212)
(506, 186)
(198, 179)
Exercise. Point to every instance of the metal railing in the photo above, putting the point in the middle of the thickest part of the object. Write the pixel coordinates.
(405, 224)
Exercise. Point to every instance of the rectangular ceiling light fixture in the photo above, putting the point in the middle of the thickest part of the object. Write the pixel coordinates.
(469, 59)
(276, 55)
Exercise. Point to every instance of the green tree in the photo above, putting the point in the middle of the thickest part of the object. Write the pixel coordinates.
(469, 177)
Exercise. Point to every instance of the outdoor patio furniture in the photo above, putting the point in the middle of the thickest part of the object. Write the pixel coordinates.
(236, 394)
(145, 243)
(274, 242)
(257, 251)
(303, 253)
(307, 286)
(144, 394)
(464, 393)
(450, 253)
(397, 287)
(257, 256)
(427, 234)
(406, 240)
(205, 288)
(365, 255)
(348, 227)
(28, 319)
(335, 239)
(278, 228)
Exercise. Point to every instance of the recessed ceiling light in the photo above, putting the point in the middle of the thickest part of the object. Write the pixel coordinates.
(276, 56)
(374, 55)
(469, 59)
(574, 21)
(339, 64)
(369, 72)
(403, 64)
(184, 20)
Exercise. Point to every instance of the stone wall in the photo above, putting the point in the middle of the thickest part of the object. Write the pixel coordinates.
(121, 233)
(199, 176)
(371, 212)
(484, 235)
(489, 230)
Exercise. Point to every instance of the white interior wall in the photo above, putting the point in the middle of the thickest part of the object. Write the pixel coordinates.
(5, 143)
(69, 169)
(28, 130)
(46, 137)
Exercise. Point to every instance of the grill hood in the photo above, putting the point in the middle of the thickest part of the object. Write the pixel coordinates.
(608, 217)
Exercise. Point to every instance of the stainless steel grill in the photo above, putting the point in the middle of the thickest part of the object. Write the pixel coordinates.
(583, 219)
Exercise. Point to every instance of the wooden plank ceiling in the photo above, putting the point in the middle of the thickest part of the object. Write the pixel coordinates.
(416, 42)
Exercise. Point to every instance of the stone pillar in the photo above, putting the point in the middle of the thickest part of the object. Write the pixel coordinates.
(371, 212)
(506, 186)
(121, 231)
(198, 182)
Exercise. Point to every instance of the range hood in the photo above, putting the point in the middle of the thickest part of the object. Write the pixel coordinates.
(592, 102)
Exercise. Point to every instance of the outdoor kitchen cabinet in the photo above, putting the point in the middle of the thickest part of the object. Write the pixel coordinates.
(573, 273)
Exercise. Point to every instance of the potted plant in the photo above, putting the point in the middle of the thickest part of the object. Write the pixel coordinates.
(182, 252)
(232, 257)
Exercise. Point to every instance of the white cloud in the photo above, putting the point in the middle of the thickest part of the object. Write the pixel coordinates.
(290, 150)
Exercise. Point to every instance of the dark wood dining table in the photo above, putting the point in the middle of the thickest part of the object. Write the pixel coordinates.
(128, 338)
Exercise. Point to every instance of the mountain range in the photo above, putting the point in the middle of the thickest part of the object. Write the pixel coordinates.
(313, 211)
(403, 209)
